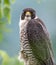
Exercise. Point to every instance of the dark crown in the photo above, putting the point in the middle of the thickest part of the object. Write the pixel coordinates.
(32, 11)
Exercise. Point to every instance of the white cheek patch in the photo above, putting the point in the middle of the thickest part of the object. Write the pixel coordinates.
(27, 18)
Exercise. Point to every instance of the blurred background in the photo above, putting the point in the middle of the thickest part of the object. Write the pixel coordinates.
(10, 11)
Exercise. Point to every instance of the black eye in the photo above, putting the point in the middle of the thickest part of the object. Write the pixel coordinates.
(28, 15)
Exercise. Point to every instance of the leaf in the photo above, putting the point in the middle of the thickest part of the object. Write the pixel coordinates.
(5, 57)
(7, 60)
(3, 54)
(13, 1)
(2, 24)
(1, 12)
(0, 1)
(7, 14)
(7, 2)
(6, 11)
(9, 18)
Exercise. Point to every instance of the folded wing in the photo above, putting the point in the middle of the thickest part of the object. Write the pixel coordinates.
(40, 42)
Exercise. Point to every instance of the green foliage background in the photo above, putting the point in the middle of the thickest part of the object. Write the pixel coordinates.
(5, 19)
(6, 60)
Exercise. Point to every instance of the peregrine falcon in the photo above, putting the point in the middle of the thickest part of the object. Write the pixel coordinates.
(35, 42)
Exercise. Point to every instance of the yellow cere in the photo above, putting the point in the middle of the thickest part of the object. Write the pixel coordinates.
(28, 13)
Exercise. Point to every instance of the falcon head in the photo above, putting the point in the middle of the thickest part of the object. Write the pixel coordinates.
(28, 14)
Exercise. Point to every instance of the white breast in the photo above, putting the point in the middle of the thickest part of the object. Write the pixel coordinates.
(22, 24)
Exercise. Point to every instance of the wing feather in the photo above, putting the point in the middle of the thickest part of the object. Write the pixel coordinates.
(39, 41)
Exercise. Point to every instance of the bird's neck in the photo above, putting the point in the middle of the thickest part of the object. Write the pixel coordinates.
(22, 24)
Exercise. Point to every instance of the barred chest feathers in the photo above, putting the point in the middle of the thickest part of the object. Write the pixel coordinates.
(23, 33)
(26, 51)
